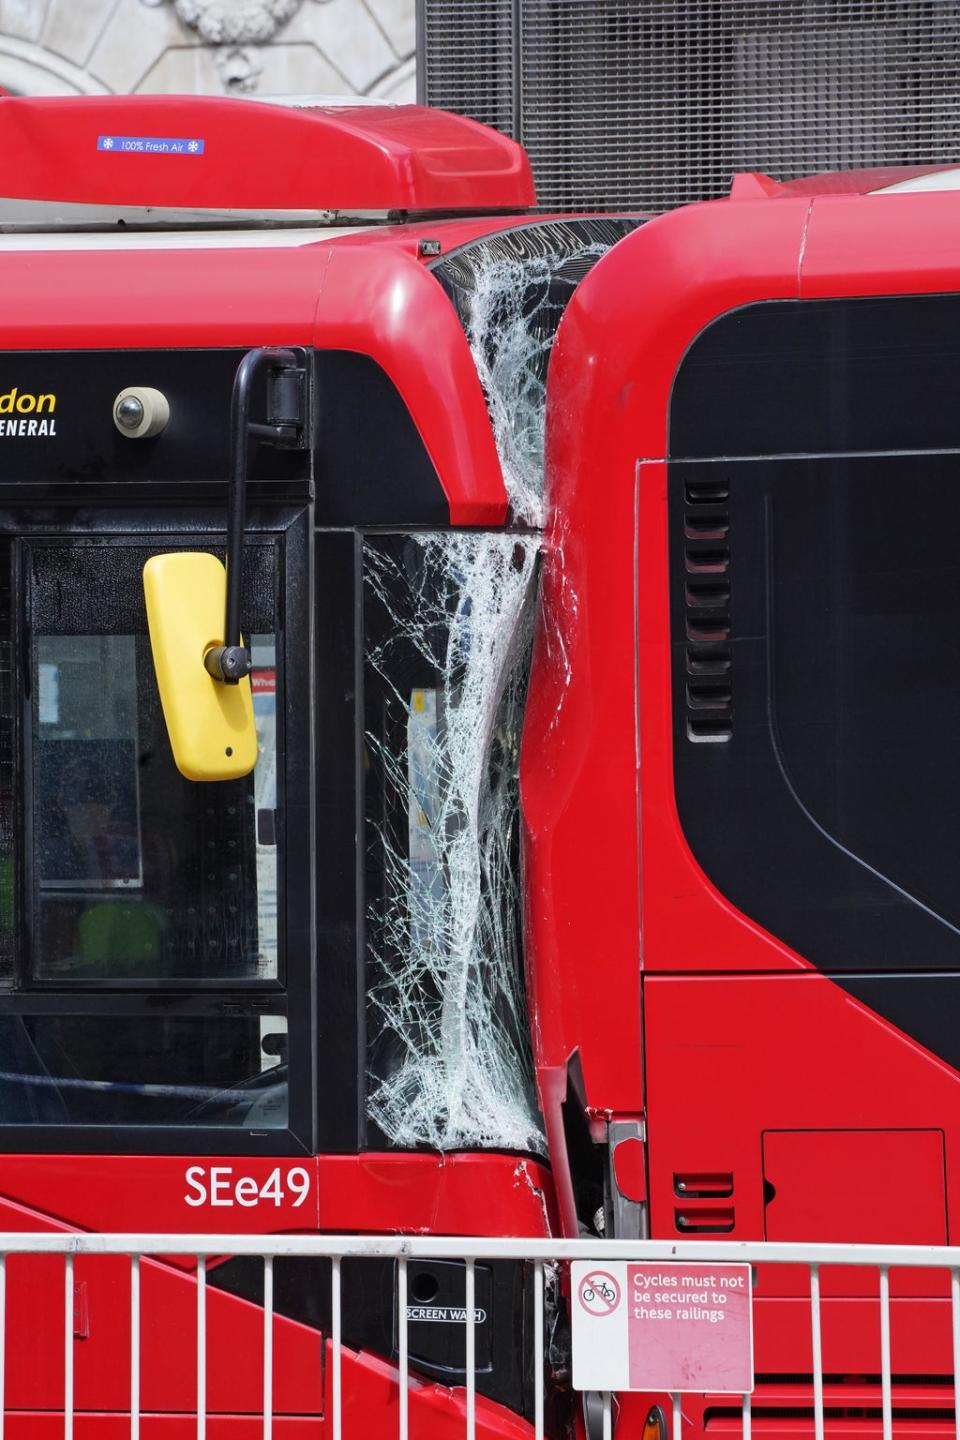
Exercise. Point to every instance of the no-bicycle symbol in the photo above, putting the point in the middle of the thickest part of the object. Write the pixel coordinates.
(599, 1293)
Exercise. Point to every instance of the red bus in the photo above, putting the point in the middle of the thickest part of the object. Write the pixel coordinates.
(574, 851)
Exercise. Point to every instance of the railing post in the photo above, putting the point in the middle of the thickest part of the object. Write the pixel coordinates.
(471, 1280)
(68, 1321)
(885, 1377)
(538, 1279)
(267, 1347)
(335, 1340)
(403, 1352)
(201, 1347)
(817, 1349)
(955, 1319)
(134, 1347)
(3, 1341)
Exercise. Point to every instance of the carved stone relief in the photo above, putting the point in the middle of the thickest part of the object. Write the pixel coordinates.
(275, 47)
(239, 69)
(236, 22)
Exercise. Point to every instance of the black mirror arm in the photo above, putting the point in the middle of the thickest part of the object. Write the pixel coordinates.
(231, 661)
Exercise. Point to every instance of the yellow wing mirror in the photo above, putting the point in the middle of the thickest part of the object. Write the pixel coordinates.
(193, 603)
(211, 725)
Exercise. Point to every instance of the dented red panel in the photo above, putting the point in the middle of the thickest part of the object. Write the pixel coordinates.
(378, 299)
(466, 1194)
(584, 768)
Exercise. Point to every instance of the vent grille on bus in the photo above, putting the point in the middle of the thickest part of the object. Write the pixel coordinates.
(647, 104)
(707, 600)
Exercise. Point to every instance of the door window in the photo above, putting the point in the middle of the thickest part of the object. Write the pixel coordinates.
(142, 974)
(137, 873)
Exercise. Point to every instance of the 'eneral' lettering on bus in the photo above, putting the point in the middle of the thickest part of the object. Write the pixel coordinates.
(22, 406)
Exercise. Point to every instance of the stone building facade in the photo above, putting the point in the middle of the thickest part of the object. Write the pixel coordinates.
(239, 47)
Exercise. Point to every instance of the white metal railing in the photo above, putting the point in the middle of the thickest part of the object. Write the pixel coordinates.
(540, 1253)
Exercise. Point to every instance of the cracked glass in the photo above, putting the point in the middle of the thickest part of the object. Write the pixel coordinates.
(448, 630)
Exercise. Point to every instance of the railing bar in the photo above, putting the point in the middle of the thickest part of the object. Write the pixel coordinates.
(471, 1351)
(134, 1347)
(677, 1417)
(538, 1282)
(201, 1347)
(955, 1313)
(402, 1348)
(885, 1353)
(3, 1339)
(267, 1347)
(607, 1415)
(442, 1247)
(747, 1418)
(817, 1351)
(68, 1303)
(335, 1337)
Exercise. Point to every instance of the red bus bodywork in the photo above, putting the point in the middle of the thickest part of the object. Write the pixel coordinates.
(654, 1001)
(680, 1009)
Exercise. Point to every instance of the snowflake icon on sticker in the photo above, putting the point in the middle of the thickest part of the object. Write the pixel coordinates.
(193, 147)
(108, 143)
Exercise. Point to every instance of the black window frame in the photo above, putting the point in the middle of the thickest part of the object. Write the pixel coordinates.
(289, 527)
(851, 396)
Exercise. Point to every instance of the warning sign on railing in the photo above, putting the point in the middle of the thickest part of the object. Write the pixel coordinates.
(649, 1326)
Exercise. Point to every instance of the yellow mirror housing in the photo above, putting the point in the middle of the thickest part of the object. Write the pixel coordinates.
(211, 724)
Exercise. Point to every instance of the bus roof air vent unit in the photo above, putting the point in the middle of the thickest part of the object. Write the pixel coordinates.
(218, 158)
(648, 104)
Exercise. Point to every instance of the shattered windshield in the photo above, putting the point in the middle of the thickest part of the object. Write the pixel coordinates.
(448, 626)
(510, 291)
(448, 621)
